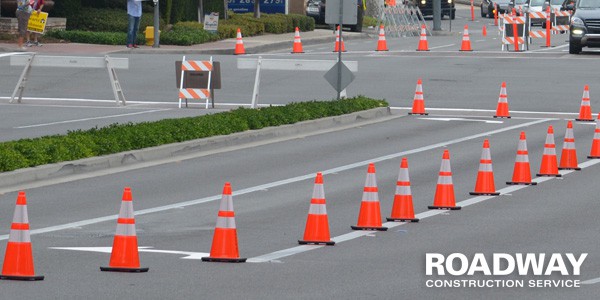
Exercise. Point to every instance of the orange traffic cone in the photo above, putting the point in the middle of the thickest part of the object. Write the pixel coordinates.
(485, 177)
(423, 46)
(338, 41)
(549, 166)
(239, 44)
(484, 31)
(317, 223)
(403, 210)
(18, 259)
(297, 47)
(585, 112)
(502, 109)
(466, 41)
(418, 101)
(125, 256)
(595, 151)
(225, 245)
(444, 192)
(568, 157)
(369, 217)
(381, 43)
(522, 170)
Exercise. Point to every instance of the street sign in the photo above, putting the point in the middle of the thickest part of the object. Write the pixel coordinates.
(346, 76)
(349, 13)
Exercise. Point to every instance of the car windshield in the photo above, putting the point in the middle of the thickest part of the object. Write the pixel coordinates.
(556, 2)
(502, 1)
(520, 2)
(589, 4)
(536, 2)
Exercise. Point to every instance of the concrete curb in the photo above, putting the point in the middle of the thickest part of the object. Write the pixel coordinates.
(128, 158)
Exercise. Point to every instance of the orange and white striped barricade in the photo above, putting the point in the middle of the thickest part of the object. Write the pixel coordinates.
(195, 93)
(536, 17)
(560, 21)
(514, 32)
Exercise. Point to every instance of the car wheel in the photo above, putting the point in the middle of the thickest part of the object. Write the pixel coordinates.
(482, 14)
(574, 48)
(452, 15)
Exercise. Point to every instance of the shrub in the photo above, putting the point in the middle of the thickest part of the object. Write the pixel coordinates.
(369, 21)
(186, 36)
(111, 20)
(125, 137)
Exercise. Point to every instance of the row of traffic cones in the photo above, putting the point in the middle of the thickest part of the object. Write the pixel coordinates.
(502, 111)
(18, 259)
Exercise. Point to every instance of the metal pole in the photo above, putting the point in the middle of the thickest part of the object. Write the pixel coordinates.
(156, 25)
(437, 15)
(339, 75)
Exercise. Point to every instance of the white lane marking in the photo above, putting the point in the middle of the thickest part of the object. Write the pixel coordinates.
(485, 110)
(444, 46)
(549, 49)
(477, 41)
(430, 213)
(462, 119)
(89, 119)
(591, 281)
(280, 182)
(190, 255)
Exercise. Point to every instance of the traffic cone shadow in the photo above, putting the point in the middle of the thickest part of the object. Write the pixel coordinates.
(124, 256)
(369, 217)
(522, 169)
(225, 244)
(18, 258)
(317, 223)
(403, 209)
(444, 193)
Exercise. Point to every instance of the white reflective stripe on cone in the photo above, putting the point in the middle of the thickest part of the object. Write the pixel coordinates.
(568, 145)
(370, 197)
(522, 158)
(445, 167)
(125, 229)
(226, 203)
(19, 236)
(485, 167)
(20, 215)
(318, 192)
(403, 190)
(226, 222)
(317, 209)
(549, 151)
(126, 211)
(444, 180)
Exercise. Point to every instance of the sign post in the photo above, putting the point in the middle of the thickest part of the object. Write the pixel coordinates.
(338, 14)
(156, 25)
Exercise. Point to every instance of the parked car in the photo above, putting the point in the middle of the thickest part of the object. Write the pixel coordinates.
(316, 10)
(426, 7)
(585, 25)
(519, 5)
(487, 7)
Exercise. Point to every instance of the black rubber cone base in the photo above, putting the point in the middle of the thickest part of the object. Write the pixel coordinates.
(416, 114)
(124, 270)
(328, 243)
(585, 120)
(228, 260)
(576, 169)
(502, 117)
(22, 278)
(403, 220)
(521, 183)
(445, 207)
(549, 175)
(484, 194)
(369, 228)
(594, 157)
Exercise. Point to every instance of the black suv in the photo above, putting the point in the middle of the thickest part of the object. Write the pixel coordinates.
(585, 25)
(426, 7)
(316, 9)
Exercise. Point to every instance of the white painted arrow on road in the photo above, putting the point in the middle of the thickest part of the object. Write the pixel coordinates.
(463, 119)
(190, 255)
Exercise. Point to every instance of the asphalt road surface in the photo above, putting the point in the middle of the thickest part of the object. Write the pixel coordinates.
(177, 202)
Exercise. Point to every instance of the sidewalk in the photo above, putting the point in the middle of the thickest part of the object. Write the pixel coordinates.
(255, 44)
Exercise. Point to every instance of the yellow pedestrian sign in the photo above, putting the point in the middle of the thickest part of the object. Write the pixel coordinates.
(37, 22)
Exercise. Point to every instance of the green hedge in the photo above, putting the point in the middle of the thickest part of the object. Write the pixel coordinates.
(110, 20)
(126, 137)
